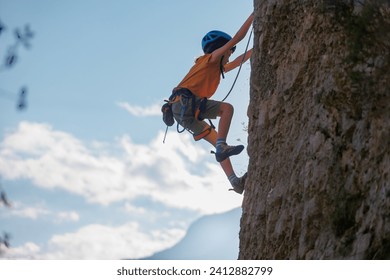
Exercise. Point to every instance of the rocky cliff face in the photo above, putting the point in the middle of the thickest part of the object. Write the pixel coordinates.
(319, 132)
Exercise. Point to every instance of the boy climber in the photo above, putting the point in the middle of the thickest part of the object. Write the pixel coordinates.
(190, 99)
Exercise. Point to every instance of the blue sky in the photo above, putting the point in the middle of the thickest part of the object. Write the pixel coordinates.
(84, 165)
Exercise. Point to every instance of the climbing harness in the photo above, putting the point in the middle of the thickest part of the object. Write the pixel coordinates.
(186, 99)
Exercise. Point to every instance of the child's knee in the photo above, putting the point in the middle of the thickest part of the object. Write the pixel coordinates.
(226, 108)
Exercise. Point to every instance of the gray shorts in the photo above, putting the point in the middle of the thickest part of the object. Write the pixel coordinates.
(188, 121)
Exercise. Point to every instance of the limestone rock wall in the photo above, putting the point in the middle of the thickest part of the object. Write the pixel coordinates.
(319, 132)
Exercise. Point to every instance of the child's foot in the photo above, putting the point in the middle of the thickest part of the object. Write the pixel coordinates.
(239, 184)
(224, 151)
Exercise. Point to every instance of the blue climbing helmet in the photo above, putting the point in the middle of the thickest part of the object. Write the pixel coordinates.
(214, 40)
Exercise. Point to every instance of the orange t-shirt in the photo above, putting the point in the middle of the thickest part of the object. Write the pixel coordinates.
(203, 78)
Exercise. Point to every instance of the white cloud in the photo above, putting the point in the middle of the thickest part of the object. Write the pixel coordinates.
(129, 208)
(179, 173)
(70, 216)
(138, 111)
(38, 211)
(28, 212)
(97, 241)
(27, 251)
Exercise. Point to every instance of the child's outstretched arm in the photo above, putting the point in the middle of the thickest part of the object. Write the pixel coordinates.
(235, 63)
(237, 38)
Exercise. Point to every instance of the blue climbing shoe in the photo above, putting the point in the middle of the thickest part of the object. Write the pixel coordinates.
(239, 184)
(224, 151)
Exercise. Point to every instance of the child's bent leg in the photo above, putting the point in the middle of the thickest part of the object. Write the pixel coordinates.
(225, 112)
